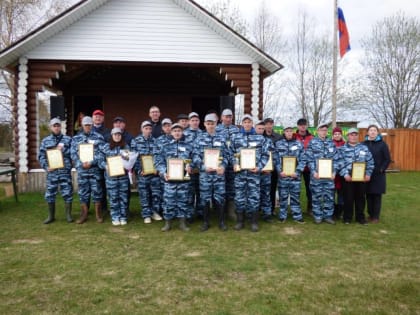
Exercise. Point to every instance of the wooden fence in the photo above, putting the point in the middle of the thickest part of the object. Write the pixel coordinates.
(404, 145)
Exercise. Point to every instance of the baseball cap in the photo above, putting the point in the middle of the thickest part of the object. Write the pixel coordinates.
(227, 112)
(146, 123)
(181, 116)
(210, 117)
(54, 121)
(337, 129)
(87, 120)
(247, 116)
(115, 130)
(321, 125)
(98, 112)
(353, 130)
(119, 118)
(302, 121)
(166, 121)
(176, 126)
(193, 114)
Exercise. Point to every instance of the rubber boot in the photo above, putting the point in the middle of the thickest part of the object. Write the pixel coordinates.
(167, 226)
(254, 222)
(51, 213)
(230, 210)
(205, 226)
(98, 210)
(222, 214)
(183, 225)
(309, 208)
(83, 214)
(239, 221)
(68, 212)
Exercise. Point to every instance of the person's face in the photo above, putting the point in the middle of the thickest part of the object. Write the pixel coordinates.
(210, 126)
(166, 129)
(302, 128)
(119, 124)
(227, 120)
(288, 133)
(154, 113)
(259, 129)
(247, 124)
(176, 133)
(56, 129)
(269, 127)
(322, 132)
(372, 133)
(183, 123)
(87, 128)
(337, 136)
(194, 122)
(116, 137)
(98, 119)
(353, 138)
(147, 131)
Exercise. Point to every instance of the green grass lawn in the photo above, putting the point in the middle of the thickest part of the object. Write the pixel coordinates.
(283, 269)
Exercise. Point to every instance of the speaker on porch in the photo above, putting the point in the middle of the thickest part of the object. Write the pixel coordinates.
(227, 101)
(57, 107)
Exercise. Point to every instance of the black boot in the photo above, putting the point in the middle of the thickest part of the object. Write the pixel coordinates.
(183, 225)
(167, 226)
(68, 212)
(239, 221)
(205, 226)
(51, 213)
(221, 211)
(254, 222)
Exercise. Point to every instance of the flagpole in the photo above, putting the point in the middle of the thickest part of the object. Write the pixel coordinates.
(334, 75)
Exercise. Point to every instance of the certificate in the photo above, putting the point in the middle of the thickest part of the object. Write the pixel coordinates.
(175, 169)
(269, 166)
(147, 164)
(289, 165)
(115, 166)
(325, 168)
(86, 152)
(358, 172)
(248, 159)
(55, 159)
(211, 158)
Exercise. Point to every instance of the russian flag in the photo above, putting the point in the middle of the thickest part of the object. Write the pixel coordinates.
(343, 34)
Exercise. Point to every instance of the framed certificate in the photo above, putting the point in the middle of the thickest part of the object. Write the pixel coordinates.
(175, 169)
(55, 159)
(211, 158)
(115, 166)
(86, 152)
(289, 165)
(147, 164)
(248, 159)
(358, 171)
(269, 166)
(325, 168)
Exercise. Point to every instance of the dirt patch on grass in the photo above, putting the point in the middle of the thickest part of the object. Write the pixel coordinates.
(27, 241)
(193, 254)
(291, 231)
(383, 231)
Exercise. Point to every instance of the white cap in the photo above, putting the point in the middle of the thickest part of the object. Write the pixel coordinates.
(176, 126)
(146, 123)
(87, 120)
(227, 112)
(193, 114)
(323, 124)
(115, 130)
(210, 117)
(55, 121)
(166, 121)
(247, 116)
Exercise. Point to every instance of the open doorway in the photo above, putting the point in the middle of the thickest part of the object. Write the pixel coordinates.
(202, 105)
(84, 105)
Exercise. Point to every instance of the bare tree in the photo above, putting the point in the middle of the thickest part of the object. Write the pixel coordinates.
(392, 65)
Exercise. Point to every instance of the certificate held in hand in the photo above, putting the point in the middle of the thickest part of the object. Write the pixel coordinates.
(115, 166)
(55, 159)
(269, 166)
(289, 165)
(211, 158)
(358, 171)
(86, 152)
(325, 168)
(248, 159)
(147, 164)
(175, 169)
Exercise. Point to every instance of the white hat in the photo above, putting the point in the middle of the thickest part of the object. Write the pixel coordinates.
(55, 121)
(176, 126)
(87, 120)
(210, 117)
(227, 112)
(115, 130)
(323, 124)
(193, 114)
(166, 121)
(352, 130)
(247, 116)
(146, 123)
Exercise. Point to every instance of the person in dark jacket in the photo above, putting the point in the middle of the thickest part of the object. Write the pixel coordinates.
(377, 185)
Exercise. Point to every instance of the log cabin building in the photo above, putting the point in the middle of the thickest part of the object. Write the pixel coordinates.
(123, 56)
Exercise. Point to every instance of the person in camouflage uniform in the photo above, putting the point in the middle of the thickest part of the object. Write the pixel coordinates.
(116, 185)
(89, 175)
(148, 185)
(177, 192)
(57, 177)
(212, 179)
(247, 181)
(322, 189)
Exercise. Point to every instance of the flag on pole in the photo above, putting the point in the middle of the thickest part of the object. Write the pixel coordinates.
(343, 34)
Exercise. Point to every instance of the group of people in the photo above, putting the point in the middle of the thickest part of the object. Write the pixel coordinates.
(184, 172)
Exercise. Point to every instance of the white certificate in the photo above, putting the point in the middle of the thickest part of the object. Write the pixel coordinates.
(175, 169)
(115, 166)
(269, 166)
(211, 158)
(86, 152)
(55, 159)
(248, 159)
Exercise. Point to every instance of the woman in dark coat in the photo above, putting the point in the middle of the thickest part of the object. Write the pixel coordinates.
(377, 185)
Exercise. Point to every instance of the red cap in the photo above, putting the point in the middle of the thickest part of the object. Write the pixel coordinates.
(337, 129)
(98, 112)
